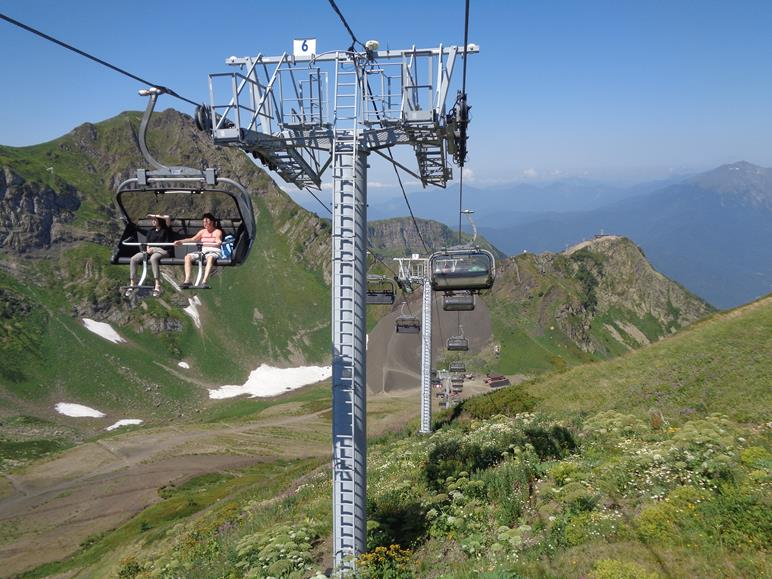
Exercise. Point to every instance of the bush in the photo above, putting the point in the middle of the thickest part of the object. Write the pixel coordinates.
(395, 518)
(613, 569)
(385, 562)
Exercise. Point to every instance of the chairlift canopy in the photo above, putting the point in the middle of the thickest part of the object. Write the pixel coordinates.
(456, 269)
(185, 195)
(381, 290)
(458, 344)
(408, 325)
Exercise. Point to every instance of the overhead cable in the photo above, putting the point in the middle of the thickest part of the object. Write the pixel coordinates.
(23, 26)
(354, 39)
(463, 92)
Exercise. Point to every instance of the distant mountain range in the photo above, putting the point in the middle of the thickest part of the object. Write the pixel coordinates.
(506, 205)
(711, 232)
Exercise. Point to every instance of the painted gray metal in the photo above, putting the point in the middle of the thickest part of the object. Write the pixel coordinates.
(349, 325)
(278, 110)
(426, 358)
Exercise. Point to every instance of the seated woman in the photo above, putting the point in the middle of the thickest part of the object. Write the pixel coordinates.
(160, 233)
(210, 239)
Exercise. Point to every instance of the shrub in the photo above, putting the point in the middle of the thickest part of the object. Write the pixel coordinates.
(556, 442)
(278, 552)
(510, 486)
(384, 562)
(395, 518)
(614, 569)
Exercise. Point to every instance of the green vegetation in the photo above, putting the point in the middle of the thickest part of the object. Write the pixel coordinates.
(567, 475)
(158, 523)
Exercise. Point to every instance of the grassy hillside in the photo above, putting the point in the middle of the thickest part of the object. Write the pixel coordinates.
(594, 301)
(59, 227)
(634, 467)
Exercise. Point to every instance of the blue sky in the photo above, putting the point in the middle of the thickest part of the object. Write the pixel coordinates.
(597, 89)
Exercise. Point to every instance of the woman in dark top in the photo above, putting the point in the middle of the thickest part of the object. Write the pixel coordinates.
(160, 233)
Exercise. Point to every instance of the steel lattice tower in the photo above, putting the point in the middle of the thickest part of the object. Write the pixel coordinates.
(278, 110)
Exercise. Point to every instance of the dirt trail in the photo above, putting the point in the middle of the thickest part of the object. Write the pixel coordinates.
(97, 486)
(100, 485)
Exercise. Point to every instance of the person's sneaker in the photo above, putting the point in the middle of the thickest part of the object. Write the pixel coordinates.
(129, 291)
(156, 292)
(185, 285)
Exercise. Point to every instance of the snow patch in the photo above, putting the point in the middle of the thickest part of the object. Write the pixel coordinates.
(183, 365)
(104, 330)
(124, 422)
(270, 381)
(192, 310)
(77, 410)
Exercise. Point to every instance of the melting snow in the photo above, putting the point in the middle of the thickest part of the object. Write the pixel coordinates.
(270, 381)
(104, 330)
(124, 422)
(192, 310)
(77, 410)
(183, 365)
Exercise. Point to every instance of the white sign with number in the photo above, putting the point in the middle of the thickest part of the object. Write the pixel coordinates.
(304, 46)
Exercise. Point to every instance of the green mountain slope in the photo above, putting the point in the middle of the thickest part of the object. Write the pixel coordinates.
(57, 229)
(593, 472)
(595, 300)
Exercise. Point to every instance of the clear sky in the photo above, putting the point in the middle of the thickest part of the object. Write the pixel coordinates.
(616, 88)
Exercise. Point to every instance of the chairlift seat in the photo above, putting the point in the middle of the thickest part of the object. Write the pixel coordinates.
(408, 325)
(471, 269)
(458, 301)
(380, 290)
(185, 200)
(457, 367)
(458, 344)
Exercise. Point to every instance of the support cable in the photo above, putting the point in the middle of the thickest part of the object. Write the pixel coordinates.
(354, 39)
(463, 92)
(370, 249)
(396, 172)
(167, 90)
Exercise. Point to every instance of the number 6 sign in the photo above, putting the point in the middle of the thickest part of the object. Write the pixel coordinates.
(304, 46)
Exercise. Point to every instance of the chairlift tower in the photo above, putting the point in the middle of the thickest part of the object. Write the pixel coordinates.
(277, 109)
(415, 271)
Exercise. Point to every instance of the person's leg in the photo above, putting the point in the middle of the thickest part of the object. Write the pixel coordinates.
(188, 266)
(135, 259)
(155, 265)
(209, 262)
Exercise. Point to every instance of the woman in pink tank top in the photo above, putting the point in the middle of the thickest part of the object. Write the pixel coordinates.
(210, 239)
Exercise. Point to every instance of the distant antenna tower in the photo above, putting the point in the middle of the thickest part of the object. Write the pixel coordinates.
(277, 109)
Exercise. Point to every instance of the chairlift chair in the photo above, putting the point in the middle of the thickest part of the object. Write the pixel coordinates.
(407, 324)
(462, 268)
(459, 301)
(381, 290)
(184, 194)
(457, 367)
(458, 344)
